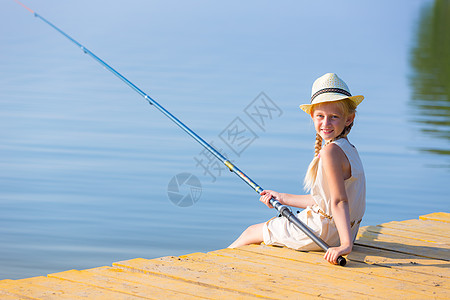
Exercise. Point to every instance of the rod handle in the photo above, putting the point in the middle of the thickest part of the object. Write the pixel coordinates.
(341, 261)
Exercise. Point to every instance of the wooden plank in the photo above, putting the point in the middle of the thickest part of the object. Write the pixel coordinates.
(13, 289)
(27, 289)
(405, 262)
(440, 216)
(408, 259)
(226, 281)
(381, 229)
(380, 287)
(121, 286)
(169, 283)
(290, 277)
(404, 245)
(427, 227)
(397, 273)
(5, 295)
(72, 290)
(231, 278)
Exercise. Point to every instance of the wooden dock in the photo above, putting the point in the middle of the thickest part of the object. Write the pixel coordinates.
(396, 260)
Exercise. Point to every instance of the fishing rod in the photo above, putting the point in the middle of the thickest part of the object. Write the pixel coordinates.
(282, 209)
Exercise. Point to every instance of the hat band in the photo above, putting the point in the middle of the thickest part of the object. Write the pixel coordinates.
(330, 90)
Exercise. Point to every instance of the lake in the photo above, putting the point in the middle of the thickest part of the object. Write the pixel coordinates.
(91, 174)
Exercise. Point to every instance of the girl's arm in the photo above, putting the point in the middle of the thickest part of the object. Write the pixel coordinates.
(337, 169)
(300, 201)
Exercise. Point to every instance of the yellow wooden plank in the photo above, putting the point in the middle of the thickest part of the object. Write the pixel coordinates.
(5, 295)
(439, 240)
(372, 286)
(223, 278)
(122, 286)
(408, 259)
(169, 283)
(27, 289)
(230, 278)
(77, 290)
(327, 285)
(439, 216)
(404, 245)
(13, 289)
(405, 262)
(405, 274)
(397, 273)
(427, 227)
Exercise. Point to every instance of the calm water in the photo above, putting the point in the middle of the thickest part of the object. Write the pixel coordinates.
(85, 163)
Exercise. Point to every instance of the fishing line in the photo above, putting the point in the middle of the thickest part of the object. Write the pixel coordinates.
(282, 209)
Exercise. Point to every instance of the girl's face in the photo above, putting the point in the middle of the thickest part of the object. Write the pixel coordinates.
(329, 120)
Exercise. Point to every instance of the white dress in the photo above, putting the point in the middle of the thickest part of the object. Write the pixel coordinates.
(318, 217)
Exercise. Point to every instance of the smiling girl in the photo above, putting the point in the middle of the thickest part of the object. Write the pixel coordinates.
(335, 178)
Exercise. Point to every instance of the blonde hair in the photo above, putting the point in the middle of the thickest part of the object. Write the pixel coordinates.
(347, 107)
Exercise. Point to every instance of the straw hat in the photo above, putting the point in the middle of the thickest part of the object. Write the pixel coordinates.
(329, 88)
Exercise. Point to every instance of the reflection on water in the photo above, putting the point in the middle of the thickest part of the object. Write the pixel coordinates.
(430, 80)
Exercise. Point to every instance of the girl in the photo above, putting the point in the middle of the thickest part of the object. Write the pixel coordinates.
(335, 178)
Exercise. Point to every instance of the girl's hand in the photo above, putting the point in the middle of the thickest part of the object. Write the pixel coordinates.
(266, 195)
(334, 252)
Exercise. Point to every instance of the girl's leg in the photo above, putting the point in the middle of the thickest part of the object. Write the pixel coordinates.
(252, 235)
